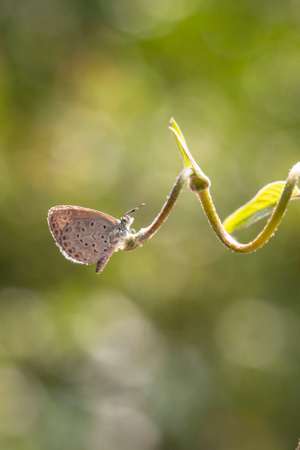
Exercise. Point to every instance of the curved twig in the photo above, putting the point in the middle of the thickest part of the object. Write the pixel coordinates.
(138, 239)
(269, 229)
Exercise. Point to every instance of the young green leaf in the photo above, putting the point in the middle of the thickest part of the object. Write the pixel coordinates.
(199, 180)
(187, 157)
(258, 207)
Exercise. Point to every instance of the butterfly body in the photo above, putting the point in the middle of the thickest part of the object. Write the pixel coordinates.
(87, 236)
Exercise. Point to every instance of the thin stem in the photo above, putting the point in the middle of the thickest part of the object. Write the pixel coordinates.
(199, 183)
(269, 229)
(138, 239)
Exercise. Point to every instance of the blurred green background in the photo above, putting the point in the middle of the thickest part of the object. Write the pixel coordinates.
(179, 345)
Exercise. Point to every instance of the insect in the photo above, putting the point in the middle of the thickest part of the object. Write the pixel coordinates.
(87, 236)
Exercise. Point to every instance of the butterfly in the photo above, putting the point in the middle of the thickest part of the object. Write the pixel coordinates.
(87, 236)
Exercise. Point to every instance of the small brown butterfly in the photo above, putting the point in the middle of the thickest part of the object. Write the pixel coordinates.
(87, 236)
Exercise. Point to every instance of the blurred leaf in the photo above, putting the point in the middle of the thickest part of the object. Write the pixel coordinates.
(258, 207)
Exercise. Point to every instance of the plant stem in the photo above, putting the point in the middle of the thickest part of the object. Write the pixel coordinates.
(271, 226)
(199, 183)
(138, 239)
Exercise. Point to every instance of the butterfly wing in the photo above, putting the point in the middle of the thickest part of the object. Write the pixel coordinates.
(84, 236)
(60, 216)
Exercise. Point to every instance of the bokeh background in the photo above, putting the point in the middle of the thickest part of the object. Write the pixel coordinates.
(180, 344)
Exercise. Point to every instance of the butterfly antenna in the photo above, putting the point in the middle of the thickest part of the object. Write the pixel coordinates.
(134, 209)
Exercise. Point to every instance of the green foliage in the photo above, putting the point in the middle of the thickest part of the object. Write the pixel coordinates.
(260, 206)
(200, 180)
(186, 156)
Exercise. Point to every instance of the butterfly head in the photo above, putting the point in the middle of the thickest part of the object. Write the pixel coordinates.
(127, 220)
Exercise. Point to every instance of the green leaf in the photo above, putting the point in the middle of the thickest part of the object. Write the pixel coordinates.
(200, 181)
(258, 207)
(187, 157)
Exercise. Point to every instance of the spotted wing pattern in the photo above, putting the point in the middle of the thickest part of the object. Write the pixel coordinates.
(84, 236)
